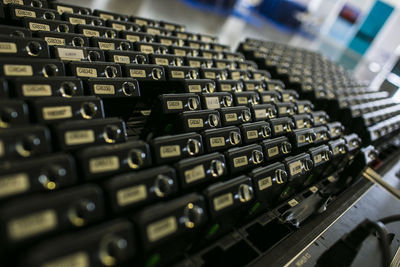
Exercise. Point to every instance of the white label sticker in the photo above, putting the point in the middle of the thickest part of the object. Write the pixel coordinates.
(242, 100)
(65, 9)
(79, 259)
(252, 134)
(18, 70)
(197, 46)
(166, 42)
(104, 164)
(131, 195)
(223, 201)
(257, 76)
(336, 150)
(133, 38)
(162, 61)
(119, 27)
(293, 202)
(90, 33)
(182, 36)
(235, 75)
(39, 27)
(260, 113)
(180, 52)
(153, 31)
(318, 136)
(36, 90)
(300, 124)
(209, 75)
(317, 158)
(331, 178)
(13, 184)
(79, 137)
(176, 104)
(300, 108)
(169, 27)
(301, 139)
(286, 97)
(220, 65)
(266, 98)
(231, 117)
(240, 161)
(148, 49)
(17, 2)
(295, 167)
(55, 113)
(8, 47)
(194, 174)
(250, 86)
(32, 224)
(140, 22)
(161, 228)
(106, 16)
(278, 128)
(195, 88)
(75, 21)
(137, 73)
(170, 151)
(264, 183)
(209, 40)
(226, 87)
(86, 72)
(70, 54)
(25, 13)
(106, 46)
(122, 59)
(104, 89)
(212, 102)
(282, 110)
(207, 55)
(195, 123)
(177, 74)
(54, 41)
(273, 151)
(313, 189)
(217, 141)
(194, 63)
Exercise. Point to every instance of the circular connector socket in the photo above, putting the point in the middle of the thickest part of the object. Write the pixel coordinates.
(193, 146)
(234, 138)
(80, 211)
(217, 168)
(163, 185)
(88, 110)
(192, 215)
(27, 145)
(128, 88)
(111, 72)
(68, 89)
(136, 158)
(34, 48)
(50, 70)
(111, 133)
(245, 193)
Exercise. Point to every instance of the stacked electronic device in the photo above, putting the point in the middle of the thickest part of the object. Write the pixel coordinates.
(127, 140)
(366, 111)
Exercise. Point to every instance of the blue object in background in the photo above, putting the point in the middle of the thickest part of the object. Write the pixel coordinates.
(282, 13)
(221, 7)
(371, 26)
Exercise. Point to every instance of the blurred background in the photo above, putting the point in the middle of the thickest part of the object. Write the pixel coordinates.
(362, 35)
